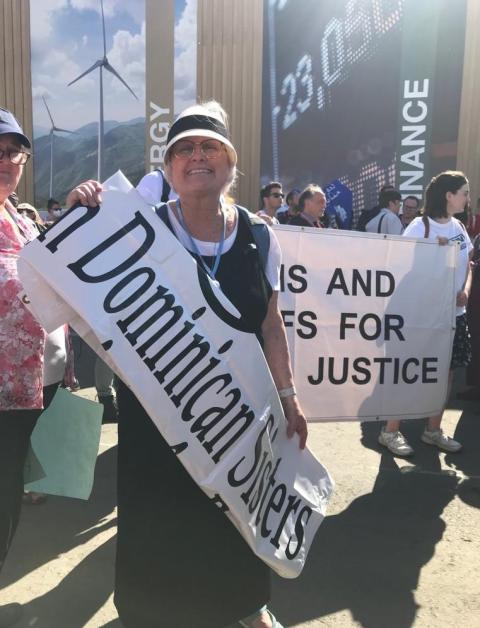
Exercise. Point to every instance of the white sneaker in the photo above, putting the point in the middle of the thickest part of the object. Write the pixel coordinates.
(438, 438)
(395, 442)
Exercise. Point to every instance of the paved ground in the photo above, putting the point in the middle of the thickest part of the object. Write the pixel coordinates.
(399, 548)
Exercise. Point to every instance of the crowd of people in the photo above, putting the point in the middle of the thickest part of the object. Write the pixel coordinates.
(164, 543)
(446, 217)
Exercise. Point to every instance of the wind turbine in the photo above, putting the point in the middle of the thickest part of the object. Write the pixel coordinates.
(100, 64)
(53, 128)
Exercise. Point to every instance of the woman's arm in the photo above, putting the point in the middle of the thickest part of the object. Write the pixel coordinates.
(464, 293)
(278, 360)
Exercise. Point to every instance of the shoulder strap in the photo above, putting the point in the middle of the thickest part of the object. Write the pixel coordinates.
(380, 223)
(165, 189)
(161, 209)
(256, 225)
(259, 231)
(426, 223)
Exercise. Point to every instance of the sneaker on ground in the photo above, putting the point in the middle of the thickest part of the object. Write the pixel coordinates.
(395, 442)
(438, 438)
(10, 614)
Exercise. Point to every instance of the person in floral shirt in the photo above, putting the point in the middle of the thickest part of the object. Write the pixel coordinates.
(22, 342)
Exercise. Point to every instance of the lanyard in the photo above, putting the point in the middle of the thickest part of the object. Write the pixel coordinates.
(210, 271)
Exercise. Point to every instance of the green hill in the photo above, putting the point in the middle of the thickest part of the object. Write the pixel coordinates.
(75, 159)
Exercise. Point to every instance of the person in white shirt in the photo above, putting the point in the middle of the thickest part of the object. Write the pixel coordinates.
(387, 220)
(272, 197)
(154, 188)
(447, 194)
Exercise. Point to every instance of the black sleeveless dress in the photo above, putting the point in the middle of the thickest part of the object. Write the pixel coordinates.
(180, 562)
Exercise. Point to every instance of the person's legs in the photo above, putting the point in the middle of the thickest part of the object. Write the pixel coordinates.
(391, 438)
(433, 422)
(392, 426)
(32, 497)
(461, 356)
(169, 545)
(105, 391)
(262, 619)
(15, 429)
(103, 379)
(433, 434)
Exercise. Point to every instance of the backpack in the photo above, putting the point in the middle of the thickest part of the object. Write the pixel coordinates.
(259, 231)
(166, 187)
(256, 226)
(366, 216)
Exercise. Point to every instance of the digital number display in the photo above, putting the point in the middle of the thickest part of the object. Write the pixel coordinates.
(331, 92)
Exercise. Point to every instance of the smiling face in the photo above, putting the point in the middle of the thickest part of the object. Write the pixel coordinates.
(9, 173)
(457, 201)
(207, 170)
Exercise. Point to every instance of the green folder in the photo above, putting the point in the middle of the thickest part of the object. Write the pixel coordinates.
(64, 447)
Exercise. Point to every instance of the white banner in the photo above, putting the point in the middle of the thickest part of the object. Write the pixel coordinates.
(370, 321)
(122, 280)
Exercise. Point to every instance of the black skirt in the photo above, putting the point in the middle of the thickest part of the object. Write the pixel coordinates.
(180, 562)
(462, 349)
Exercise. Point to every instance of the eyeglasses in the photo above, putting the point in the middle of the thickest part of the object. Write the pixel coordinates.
(210, 149)
(17, 157)
(277, 195)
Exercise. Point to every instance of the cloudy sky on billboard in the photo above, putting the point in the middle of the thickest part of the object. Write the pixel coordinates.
(67, 40)
(185, 53)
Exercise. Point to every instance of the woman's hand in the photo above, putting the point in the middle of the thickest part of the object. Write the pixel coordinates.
(88, 193)
(442, 240)
(296, 422)
(464, 293)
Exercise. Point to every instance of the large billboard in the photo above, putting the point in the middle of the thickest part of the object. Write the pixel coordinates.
(365, 91)
(90, 68)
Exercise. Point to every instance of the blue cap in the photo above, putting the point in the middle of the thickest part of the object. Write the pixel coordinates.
(9, 124)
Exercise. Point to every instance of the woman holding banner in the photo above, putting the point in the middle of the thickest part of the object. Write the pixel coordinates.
(446, 195)
(180, 562)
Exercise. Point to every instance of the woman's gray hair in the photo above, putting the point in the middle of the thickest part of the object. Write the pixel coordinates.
(215, 108)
